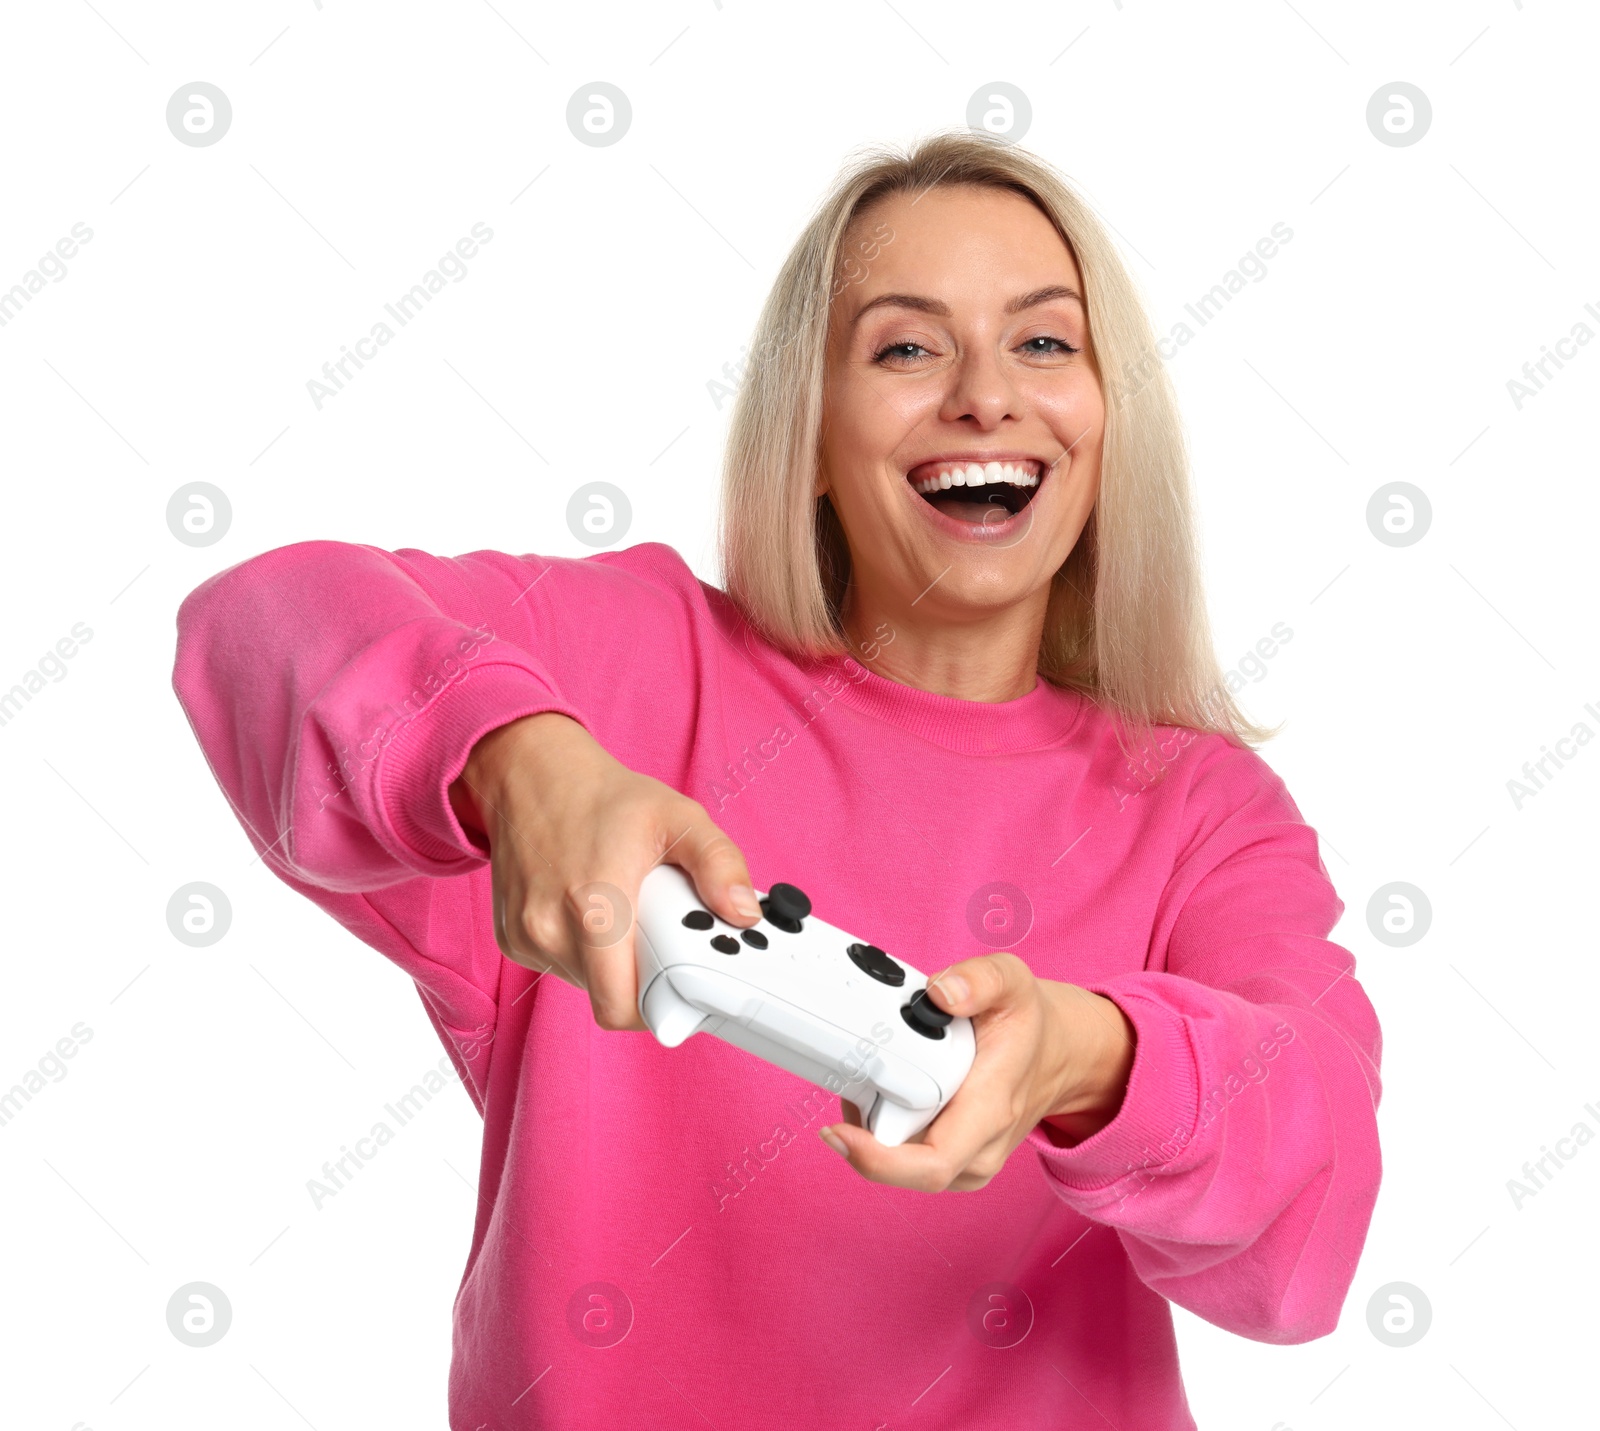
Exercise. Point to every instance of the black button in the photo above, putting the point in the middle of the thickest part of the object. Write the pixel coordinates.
(872, 960)
(785, 906)
(754, 938)
(725, 944)
(778, 919)
(697, 919)
(927, 1018)
(789, 901)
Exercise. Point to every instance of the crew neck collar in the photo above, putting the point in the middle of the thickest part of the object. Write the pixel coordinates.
(1046, 715)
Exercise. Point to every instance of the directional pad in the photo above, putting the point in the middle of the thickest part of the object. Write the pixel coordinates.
(873, 961)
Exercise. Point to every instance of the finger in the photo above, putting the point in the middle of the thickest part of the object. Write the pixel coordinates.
(600, 917)
(912, 1165)
(530, 933)
(960, 1149)
(981, 985)
(973, 1135)
(712, 860)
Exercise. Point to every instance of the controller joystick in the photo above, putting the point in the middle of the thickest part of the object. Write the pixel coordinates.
(925, 1016)
(785, 906)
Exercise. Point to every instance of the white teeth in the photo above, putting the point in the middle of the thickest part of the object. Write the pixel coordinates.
(1016, 474)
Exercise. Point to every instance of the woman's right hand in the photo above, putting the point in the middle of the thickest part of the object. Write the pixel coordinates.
(562, 817)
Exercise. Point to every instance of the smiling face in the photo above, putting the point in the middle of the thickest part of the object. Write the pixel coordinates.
(963, 416)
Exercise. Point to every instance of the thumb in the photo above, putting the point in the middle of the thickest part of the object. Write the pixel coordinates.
(979, 985)
(717, 867)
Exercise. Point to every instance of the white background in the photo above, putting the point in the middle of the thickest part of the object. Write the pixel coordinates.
(365, 141)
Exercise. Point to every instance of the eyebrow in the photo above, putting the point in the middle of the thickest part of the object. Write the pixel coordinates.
(942, 310)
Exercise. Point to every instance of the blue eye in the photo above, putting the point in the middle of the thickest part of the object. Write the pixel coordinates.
(909, 351)
(1063, 346)
(884, 352)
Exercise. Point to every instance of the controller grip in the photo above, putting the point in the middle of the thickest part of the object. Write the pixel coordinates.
(893, 1125)
(669, 1016)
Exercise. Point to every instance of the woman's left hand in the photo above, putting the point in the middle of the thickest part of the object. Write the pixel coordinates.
(1046, 1051)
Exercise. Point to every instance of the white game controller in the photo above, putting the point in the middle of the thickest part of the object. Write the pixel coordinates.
(799, 993)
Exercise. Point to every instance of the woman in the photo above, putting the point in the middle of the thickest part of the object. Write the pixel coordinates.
(959, 690)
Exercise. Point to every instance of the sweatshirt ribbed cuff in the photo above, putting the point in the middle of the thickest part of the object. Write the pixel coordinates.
(1159, 1112)
(416, 769)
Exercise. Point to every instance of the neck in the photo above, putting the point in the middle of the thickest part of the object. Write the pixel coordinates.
(992, 657)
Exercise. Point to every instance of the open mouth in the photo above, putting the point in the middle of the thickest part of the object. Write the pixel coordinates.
(978, 492)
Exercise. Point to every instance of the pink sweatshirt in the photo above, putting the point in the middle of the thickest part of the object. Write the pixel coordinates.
(662, 1240)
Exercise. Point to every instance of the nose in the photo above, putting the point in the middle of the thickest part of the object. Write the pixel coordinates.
(981, 389)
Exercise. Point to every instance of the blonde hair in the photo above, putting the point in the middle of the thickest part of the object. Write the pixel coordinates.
(1126, 622)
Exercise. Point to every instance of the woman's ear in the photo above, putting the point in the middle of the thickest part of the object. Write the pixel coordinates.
(819, 486)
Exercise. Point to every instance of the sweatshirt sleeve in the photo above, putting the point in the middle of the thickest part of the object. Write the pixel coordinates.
(1242, 1168)
(336, 690)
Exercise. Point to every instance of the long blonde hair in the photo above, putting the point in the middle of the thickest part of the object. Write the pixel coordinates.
(1126, 622)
